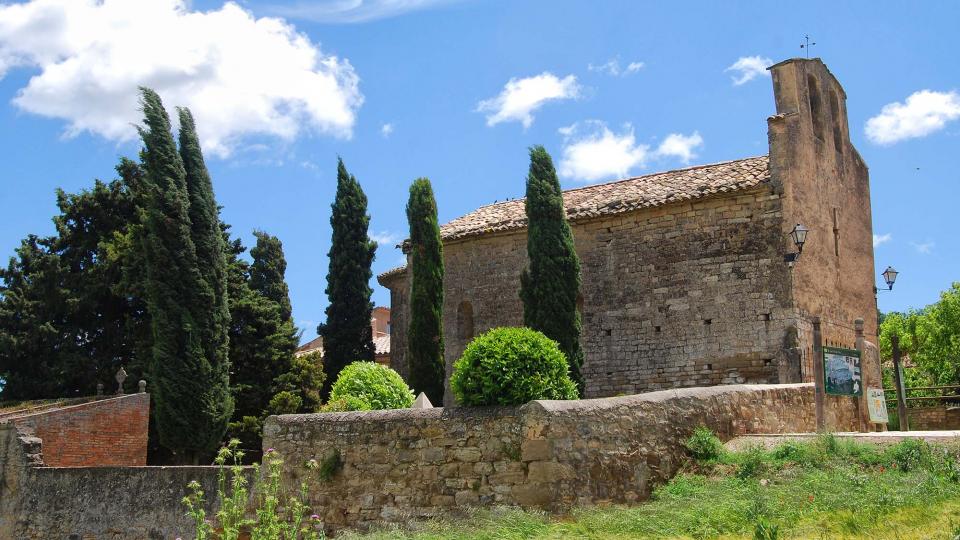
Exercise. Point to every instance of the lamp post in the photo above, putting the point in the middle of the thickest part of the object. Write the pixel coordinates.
(799, 237)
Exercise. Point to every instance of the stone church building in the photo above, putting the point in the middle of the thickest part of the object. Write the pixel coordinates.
(684, 277)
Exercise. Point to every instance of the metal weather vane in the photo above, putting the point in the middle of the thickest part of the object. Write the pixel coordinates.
(807, 45)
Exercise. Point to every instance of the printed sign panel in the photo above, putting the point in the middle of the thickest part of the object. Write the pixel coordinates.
(877, 404)
(842, 372)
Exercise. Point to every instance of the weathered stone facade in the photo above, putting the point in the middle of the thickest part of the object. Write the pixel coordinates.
(684, 279)
(403, 465)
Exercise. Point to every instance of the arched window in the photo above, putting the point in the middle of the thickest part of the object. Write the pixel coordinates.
(835, 112)
(465, 321)
(816, 107)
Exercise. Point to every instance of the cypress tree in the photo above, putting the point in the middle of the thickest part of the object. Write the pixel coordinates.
(267, 272)
(212, 308)
(192, 405)
(549, 286)
(425, 333)
(347, 336)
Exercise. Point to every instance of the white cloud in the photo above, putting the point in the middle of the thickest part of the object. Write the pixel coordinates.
(240, 75)
(593, 152)
(352, 11)
(612, 67)
(923, 113)
(520, 97)
(880, 239)
(386, 130)
(747, 68)
(680, 146)
(385, 238)
(601, 154)
(924, 248)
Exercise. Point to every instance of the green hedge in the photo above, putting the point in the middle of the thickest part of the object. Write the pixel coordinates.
(511, 366)
(363, 386)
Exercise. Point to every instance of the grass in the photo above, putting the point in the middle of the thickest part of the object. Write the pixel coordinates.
(828, 488)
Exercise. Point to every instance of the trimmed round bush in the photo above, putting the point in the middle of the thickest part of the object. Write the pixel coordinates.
(371, 386)
(511, 366)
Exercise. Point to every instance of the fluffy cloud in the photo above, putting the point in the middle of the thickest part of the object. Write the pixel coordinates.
(386, 130)
(239, 74)
(593, 152)
(385, 238)
(680, 146)
(748, 68)
(612, 67)
(924, 248)
(353, 11)
(923, 113)
(520, 97)
(880, 239)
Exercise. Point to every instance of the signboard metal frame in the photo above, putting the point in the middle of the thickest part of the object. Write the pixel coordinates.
(832, 355)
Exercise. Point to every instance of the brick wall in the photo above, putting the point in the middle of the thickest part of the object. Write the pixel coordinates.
(934, 418)
(403, 465)
(110, 431)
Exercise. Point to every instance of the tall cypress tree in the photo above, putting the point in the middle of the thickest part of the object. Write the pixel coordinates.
(425, 333)
(550, 284)
(212, 308)
(192, 405)
(347, 335)
(268, 270)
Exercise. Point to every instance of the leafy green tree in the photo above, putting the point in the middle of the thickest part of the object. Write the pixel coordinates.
(930, 338)
(69, 317)
(425, 334)
(211, 308)
(192, 403)
(549, 286)
(347, 335)
(267, 273)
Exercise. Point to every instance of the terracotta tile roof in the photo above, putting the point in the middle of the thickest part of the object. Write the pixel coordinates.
(392, 271)
(382, 344)
(618, 197)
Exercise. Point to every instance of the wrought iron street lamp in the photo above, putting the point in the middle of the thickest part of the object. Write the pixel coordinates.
(890, 277)
(799, 237)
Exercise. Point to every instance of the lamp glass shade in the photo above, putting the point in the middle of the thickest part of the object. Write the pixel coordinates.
(890, 276)
(799, 235)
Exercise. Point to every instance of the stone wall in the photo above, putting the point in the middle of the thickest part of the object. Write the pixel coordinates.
(93, 503)
(111, 431)
(403, 465)
(689, 294)
(934, 418)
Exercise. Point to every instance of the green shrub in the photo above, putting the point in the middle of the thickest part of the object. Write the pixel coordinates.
(511, 366)
(345, 404)
(703, 445)
(377, 386)
(285, 403)
(909, 454)
(752, 462)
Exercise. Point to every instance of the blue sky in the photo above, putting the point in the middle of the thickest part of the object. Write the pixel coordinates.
(457, 91)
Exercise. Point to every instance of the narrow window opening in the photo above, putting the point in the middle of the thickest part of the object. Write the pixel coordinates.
(656, 329)
(708, 322)
(465, 321)
(768, 362)
(709, 367)
(608, 331)
(836, 121)
(766, 317)
(815, 106)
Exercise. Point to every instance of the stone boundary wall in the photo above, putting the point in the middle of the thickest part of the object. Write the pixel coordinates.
(92, 503)
(934, 418)
(111, 431)
(403, 465)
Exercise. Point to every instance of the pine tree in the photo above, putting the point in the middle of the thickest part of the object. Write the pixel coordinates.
(549, 286)
(267, 272)
(425, 334)
(347, 335)
(192, 405)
